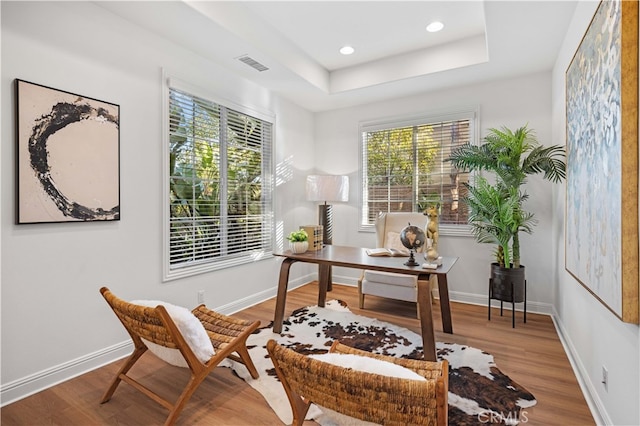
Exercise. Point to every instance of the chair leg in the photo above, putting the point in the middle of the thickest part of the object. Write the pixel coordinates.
(489, 301)
(133, 358)
(247, 361)
(360, 293)
(513, 306)
(191, 387)
(299, 406)
(525, 301)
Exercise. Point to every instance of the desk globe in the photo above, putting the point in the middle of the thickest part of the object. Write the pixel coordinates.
(412, 237)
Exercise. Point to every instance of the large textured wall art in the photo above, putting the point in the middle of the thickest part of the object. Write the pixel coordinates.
(601, 236)
(68, 156)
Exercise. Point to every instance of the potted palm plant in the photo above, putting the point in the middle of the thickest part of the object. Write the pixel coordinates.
(496, 212)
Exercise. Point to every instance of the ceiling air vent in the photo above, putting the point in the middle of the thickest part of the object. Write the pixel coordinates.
(252, 63)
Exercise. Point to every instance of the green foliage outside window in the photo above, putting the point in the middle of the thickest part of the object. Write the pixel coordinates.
(216, 166)
(406, 171)
(394, 160)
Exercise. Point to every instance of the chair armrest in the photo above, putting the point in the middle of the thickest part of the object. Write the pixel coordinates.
(210, 317)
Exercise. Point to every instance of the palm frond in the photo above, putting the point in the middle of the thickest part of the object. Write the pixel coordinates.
(495, 211)
(548, 160)
(470, 157)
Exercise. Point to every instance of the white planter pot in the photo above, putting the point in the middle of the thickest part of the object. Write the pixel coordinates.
(299, 246)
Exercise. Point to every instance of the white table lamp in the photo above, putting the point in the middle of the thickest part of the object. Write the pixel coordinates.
(327, 188)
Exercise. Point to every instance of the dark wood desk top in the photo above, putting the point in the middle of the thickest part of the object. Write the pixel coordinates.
(356, 257)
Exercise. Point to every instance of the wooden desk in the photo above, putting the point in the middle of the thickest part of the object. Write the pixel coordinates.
(355, 257)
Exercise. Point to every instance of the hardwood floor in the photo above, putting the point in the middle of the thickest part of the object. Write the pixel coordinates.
(531, 354)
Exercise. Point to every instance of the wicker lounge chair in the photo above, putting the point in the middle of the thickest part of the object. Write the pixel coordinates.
(365, 396)
(155, 325)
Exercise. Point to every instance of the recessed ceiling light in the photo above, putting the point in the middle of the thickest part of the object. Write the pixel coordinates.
(435, 26)
(347, 50)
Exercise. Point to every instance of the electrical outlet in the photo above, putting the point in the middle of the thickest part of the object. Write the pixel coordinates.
(605, 378)
(200, 296)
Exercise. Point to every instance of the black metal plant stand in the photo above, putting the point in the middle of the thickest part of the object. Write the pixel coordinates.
(513, 302)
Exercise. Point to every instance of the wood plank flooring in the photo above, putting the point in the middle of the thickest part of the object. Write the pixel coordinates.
(531, 354)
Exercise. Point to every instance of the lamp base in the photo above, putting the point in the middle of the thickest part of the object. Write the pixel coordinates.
(325, 217)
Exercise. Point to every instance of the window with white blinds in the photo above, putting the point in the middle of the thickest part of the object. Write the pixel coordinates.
(220, 186)
(405, 167)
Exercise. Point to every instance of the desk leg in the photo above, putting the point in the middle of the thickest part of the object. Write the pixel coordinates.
(426, 321)
(281, 299)
(324, 283)
(445, 307)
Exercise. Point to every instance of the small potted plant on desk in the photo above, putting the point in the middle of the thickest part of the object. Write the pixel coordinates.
(298, 241)
(496, 211)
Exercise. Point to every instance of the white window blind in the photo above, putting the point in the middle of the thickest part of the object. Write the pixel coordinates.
(220, 185)
(405, 167)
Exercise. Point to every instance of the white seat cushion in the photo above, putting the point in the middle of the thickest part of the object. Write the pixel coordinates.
(391, 278)
(368, 365)
(397, 292)
(191, 329)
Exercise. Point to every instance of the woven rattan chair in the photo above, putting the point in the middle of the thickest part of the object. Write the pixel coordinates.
(227, 334)
(365, 396)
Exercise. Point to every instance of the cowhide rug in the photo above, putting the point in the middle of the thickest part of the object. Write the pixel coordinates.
(479, 393)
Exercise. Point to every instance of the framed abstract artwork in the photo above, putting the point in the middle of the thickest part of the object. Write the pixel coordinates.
(601, 235)
(67, 156)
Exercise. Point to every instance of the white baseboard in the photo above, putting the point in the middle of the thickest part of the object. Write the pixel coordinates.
(470, 298)
(596, 406)
(22, 388)
(44, 379)
(482, 300)
(26, 386)
(254, 299)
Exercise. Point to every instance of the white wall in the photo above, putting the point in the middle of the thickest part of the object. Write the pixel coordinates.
(54, 321)
(512, 103)
(594, 336)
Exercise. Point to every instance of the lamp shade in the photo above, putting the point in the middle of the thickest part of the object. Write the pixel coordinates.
(327, 188)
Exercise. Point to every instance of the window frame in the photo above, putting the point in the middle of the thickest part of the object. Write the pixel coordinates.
(209, 265)
(472, 113)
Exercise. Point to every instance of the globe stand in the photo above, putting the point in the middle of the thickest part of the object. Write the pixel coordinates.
(412, 237)
(412, 260)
